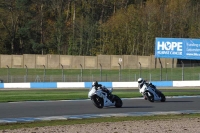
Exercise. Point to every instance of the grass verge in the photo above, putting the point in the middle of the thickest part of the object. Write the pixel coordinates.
(55, 94)
(96, 120)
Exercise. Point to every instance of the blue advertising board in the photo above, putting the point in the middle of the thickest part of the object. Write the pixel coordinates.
(181, 48)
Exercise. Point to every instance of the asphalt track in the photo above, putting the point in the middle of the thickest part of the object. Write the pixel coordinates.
(75, 109)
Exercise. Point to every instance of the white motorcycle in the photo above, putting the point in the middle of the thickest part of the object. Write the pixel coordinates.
(152, 94)
(101, 99)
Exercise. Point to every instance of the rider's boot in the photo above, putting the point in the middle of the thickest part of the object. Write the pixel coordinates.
(145, 98)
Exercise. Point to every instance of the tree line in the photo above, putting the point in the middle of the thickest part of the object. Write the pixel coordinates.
(92, 27)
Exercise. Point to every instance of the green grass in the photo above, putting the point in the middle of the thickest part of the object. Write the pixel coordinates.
(41, 95)
(96, 120)
(56, 94)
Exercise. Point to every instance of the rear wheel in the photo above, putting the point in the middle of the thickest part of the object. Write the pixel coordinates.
(163, 99)
(98, 101)
(118, 101)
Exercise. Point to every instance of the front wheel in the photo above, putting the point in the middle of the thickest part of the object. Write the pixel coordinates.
(118, 101)
(97, 101)
(149, 96)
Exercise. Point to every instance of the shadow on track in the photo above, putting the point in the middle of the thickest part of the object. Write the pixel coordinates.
(177, 101)
(129, 107)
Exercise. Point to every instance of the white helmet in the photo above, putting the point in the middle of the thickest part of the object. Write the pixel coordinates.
(140, 81)
(95, 83)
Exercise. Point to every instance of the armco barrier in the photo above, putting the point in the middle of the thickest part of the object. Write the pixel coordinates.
(66, 85)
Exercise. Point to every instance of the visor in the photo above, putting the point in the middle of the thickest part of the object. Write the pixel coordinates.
(140, 81)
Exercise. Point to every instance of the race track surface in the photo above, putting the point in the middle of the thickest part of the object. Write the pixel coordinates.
(49, 110)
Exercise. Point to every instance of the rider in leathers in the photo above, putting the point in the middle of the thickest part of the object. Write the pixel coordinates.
(103, 88)
(141, 82)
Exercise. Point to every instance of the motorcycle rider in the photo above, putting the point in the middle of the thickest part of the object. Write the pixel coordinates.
(103, 88)
(141, 82)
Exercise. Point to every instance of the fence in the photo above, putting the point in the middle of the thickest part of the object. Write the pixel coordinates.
(182, 72)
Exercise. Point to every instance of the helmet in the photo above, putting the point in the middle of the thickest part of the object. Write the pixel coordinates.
(140, 81)
(95, 83)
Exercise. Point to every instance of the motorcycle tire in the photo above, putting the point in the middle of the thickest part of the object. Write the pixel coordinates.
(98, 101)
(163, 99)
(118, 101)
(150, 98)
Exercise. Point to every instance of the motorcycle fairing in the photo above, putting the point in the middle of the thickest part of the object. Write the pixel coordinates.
(107, 102)
(101, 94)
(152, 90)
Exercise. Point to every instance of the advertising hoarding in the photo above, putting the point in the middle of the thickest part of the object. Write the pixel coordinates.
(180, 48)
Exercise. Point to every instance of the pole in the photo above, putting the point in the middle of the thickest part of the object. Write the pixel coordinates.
(119, 71)
(166, 71)
(8, 73)
(62, 73)
(81, 72)
(44, 73)
(26, 72)
(100, 71)
(160, 71)
(182, 71)
(140, 69)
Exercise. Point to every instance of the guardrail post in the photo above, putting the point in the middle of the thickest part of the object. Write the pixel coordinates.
(160, 71)
(182, 71)
(62, 73)
(8, 73)
(81, 72)
(140, 69)
(26, 73)
(119, 71)
(166, 71)
(44, 73)
(100, 71)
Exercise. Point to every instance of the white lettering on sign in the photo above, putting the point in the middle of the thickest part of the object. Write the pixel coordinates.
(169, 46)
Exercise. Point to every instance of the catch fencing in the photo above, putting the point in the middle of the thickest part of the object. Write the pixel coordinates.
(182, 72)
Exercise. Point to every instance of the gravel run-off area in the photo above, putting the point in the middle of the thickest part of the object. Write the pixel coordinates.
(182, 125)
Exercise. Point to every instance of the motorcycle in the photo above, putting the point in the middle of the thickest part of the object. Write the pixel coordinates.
(101, 99)
(151, 93)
